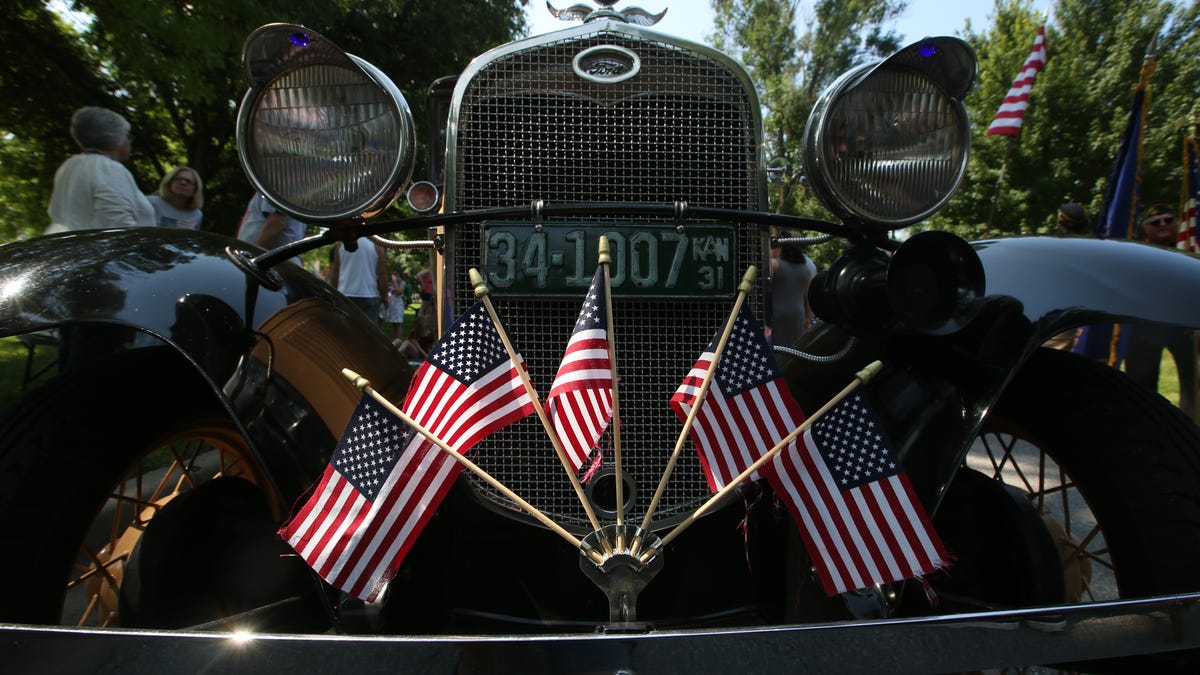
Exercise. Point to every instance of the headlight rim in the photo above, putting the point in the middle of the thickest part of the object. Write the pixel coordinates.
(327, 55)
(952, 76)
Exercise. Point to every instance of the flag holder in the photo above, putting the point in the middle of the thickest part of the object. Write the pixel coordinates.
(482, 292)
(622, 575)
(365, 386)
(862, 377)
(744, 288)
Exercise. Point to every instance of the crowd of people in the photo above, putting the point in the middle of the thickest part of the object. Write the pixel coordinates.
(94, 190)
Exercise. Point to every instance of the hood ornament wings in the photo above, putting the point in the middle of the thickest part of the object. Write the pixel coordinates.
(585, 13)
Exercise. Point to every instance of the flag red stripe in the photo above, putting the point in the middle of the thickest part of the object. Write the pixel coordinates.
(362, 569)
(730, 433)
(407, 515)
(1011, 115)
(343, 507)
(866, 517)
(795, 473)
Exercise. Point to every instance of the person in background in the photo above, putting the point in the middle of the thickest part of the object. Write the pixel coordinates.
(1072, 219)
(265, 225)
(1143, 356)
(425, 279)
(395, 302)
(361, 275)
(791, 272)
(179, 199)
(93, 189)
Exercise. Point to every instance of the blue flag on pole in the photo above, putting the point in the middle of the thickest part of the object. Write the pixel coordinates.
(1118, 215)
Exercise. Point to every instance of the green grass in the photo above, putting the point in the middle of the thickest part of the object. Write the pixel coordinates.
(12, 367)
(1168, 378)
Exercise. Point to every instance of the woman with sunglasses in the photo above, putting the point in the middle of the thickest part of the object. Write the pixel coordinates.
(178, 200)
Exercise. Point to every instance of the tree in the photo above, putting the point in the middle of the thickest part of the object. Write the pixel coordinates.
(43, 79)
(1078, 109)
(174, 70)
(792, 69)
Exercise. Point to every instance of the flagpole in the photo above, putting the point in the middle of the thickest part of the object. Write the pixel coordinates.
(364, 385)
(481, 292)
(1012, 140)
(605, 260)
(744, 288)
(862, 377)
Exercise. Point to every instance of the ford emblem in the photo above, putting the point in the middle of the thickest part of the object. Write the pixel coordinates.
(607, 64)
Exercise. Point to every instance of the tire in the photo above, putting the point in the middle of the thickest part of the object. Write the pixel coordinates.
(108, 462)
(1088, 431)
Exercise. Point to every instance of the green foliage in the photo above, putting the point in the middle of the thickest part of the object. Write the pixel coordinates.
(174, 70)
(791, 69)
(1078, 108)
(1073, 125)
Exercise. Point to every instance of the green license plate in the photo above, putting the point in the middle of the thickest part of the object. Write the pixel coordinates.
(647, 260)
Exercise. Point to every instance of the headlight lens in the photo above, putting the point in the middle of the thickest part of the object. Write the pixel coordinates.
(886, 149)
(327, 141)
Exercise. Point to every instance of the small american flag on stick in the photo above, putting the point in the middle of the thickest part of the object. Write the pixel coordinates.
(858, 514)
(1011, 114)
(385, 481)
(581, 398)
(357, 505)
(748, 408)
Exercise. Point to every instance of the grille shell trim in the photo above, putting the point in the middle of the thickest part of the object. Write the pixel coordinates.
(523, 127)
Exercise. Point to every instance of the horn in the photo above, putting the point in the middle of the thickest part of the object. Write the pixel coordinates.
(851, 293)
(935, 283)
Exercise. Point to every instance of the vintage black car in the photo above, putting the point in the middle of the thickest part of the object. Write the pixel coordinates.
(201, 393)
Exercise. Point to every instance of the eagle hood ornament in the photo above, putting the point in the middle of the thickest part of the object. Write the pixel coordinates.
(585, 13)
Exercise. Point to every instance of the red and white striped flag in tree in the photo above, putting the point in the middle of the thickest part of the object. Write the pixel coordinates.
(1188, 224)
(747, 409)
(858, 514)
(581, 399)
(385, 481)
(1011, 114)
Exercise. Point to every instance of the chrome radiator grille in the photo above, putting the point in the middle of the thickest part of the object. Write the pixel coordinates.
(529, 128)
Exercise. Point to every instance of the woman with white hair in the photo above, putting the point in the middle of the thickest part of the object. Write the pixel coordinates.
(179, 198)
(93, 189)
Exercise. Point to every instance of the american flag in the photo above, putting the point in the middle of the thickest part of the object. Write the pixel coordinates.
(1011, 114)
(861, 521)
(1191, 195)
(748, 408)
(581, 398)
(468, 386)
(385, 481)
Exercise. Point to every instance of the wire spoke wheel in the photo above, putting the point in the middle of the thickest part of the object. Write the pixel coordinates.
(180, 462)
(1087, 565)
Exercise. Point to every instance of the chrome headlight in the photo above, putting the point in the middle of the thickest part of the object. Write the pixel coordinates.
(323, 134)
(887, 143)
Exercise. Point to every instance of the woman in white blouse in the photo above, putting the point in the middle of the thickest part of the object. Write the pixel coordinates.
(93, 189)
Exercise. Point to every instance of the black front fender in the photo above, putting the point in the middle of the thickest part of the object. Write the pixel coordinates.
(1067, 282)
(936, 390)
(273, 357)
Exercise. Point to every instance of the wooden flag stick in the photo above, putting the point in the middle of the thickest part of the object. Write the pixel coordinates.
(364, 385)
(606, 260)
(481, 292)
(862, 377)
(743, 289)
